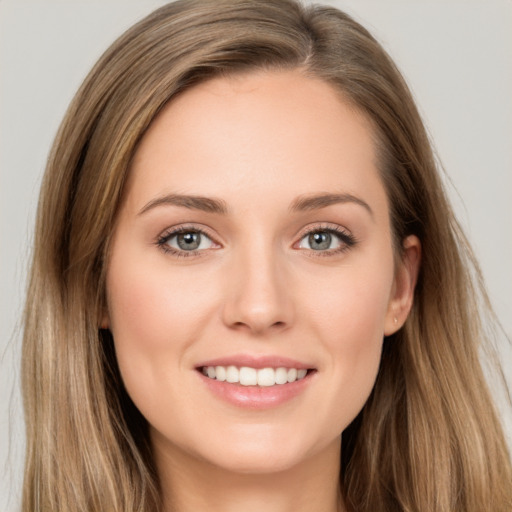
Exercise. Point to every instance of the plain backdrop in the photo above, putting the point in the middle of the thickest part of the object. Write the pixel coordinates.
(456, 56)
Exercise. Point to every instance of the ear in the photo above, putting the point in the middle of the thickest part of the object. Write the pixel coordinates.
(402, 295)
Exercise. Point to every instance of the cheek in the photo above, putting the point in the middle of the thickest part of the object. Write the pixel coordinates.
(350, 323)
(154, 317)
(349, 306)
(150, 306)
(142, 313)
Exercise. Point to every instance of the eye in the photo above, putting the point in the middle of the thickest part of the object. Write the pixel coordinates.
(185, 240)
(328, 240)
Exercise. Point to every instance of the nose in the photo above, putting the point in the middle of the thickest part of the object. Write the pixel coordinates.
(258, 294)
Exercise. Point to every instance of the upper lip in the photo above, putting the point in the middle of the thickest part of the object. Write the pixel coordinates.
(257, 362)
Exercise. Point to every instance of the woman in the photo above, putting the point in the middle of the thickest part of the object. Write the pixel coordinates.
(248, 287)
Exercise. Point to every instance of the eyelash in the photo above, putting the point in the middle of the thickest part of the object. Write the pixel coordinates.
(163, 239)
(346, 239)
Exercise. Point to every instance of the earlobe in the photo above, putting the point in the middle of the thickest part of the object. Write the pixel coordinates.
(104, 321)
(406, 276)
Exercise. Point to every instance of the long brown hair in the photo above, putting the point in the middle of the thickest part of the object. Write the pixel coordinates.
(428, 438)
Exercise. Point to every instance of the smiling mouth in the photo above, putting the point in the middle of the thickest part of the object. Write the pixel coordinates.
(261, 377)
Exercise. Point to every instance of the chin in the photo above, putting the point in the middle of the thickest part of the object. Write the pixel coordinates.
(262, 453)
(258, 463)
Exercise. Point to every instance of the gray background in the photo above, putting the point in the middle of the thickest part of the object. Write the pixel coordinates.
(456, 56)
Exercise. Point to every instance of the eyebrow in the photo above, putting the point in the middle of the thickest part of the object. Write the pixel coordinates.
(205, 204)
(318, 201)
(218, 206)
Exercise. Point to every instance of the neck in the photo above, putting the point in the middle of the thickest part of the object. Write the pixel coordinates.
(192, 485)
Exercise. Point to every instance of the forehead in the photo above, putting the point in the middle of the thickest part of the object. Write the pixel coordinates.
(264, 132)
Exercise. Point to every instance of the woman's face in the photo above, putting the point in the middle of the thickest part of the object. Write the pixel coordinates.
(254, 245)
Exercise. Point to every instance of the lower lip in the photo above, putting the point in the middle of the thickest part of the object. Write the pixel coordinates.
(256, 397)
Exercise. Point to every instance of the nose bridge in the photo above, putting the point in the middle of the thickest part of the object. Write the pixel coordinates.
(258, 296)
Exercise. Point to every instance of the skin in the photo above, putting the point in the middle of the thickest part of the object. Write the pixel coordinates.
(258, 143)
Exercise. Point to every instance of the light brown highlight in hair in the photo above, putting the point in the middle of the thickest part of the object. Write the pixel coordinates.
(428, 439)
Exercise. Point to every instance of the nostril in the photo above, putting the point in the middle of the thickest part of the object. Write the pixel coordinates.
(258, 326)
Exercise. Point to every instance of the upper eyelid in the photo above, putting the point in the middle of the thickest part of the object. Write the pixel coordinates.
(183, 228)
(323, 226)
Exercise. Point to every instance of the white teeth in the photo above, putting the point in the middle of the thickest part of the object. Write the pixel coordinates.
(220, 373)
(281, 376)
(247, 376)
(232, 374)
(266, 377)
(292, 375)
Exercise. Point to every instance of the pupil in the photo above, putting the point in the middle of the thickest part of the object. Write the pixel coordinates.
(319, 241)
(189, 241)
